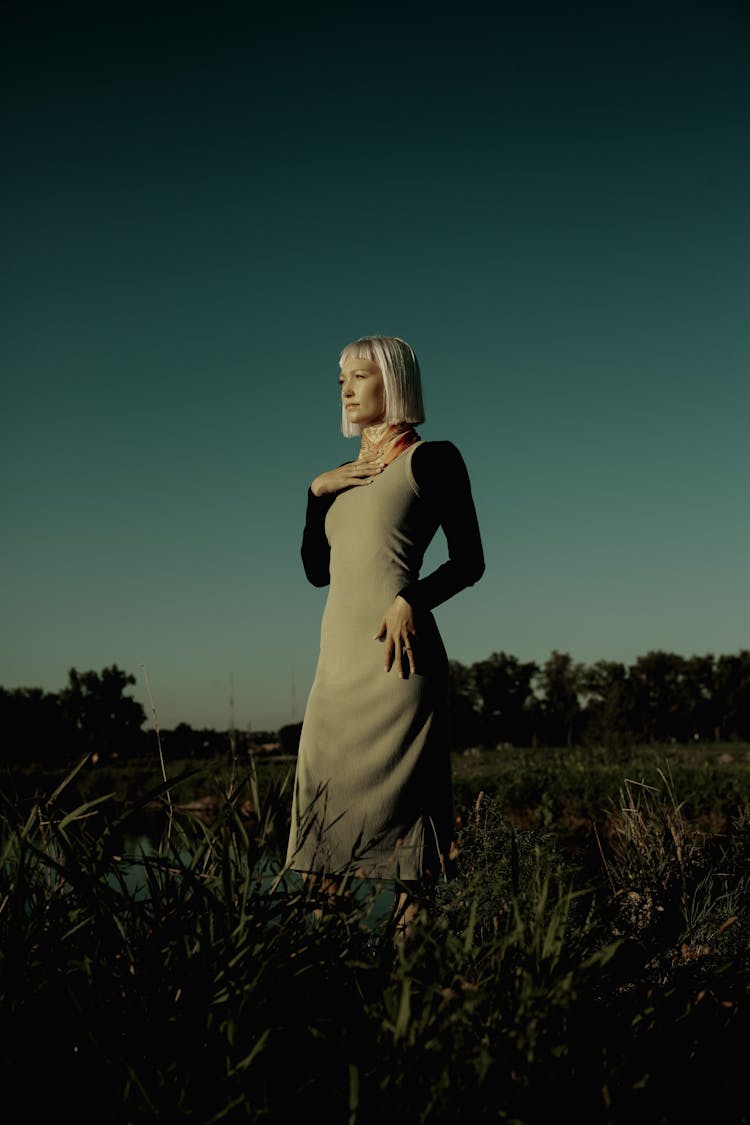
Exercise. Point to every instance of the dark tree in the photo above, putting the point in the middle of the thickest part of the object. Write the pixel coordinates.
(289, 736)
(732, 696)
(33, 725)
(464, 719)
(698, 709)
(609, 703)
(658, 701)
(504, 699)
(101, 718)
(560, 681)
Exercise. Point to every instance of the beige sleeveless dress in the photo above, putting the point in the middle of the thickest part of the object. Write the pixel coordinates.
(373, 793)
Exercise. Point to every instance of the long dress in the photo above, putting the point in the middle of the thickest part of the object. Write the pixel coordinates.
(373, 783)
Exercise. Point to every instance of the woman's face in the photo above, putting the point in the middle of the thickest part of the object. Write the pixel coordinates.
(362, 392)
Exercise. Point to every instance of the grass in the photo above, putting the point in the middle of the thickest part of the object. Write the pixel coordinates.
(590, 957)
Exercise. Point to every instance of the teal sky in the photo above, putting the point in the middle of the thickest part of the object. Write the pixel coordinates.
(202, 205)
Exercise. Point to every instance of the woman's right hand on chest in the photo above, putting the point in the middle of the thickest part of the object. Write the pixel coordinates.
(352, 474)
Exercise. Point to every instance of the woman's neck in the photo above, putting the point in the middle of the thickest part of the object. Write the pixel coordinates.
(375, 435)
(387, 440)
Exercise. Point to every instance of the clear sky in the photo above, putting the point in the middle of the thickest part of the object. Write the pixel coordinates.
(201, 204)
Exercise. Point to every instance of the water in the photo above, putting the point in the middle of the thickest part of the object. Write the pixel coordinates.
(375, 899)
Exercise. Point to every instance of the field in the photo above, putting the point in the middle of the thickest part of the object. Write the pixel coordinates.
(589, 957)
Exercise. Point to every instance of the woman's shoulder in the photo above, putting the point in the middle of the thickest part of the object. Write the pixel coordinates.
(438, 463)
(437, 453)
(437, 446)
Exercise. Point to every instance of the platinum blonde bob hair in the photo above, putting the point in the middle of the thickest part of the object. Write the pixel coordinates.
(401, 375)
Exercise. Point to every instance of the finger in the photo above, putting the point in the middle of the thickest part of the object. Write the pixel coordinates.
(399, 655)
(409, 653)
(385, 638)
(363, 474)
(365, 462)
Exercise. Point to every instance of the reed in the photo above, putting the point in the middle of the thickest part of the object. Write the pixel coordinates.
(206, 990)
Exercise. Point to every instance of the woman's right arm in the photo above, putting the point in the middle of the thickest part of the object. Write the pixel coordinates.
(316, 550)
(349, 475)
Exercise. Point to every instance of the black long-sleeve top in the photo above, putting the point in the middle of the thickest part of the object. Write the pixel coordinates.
(443, 482)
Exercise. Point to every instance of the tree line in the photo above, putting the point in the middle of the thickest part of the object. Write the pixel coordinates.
(92, 715)
(661, 698)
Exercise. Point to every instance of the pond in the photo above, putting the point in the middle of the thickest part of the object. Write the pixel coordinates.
(140, 849)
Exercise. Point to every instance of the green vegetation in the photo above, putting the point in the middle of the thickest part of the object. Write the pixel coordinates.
(590, 956)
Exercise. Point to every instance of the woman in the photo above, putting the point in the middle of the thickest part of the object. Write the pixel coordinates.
(373, 787)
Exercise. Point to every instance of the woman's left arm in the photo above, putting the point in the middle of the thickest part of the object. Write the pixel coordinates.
(443, 481)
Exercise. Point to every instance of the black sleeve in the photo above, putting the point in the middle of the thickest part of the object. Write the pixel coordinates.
(443, 482)
(316, 550)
